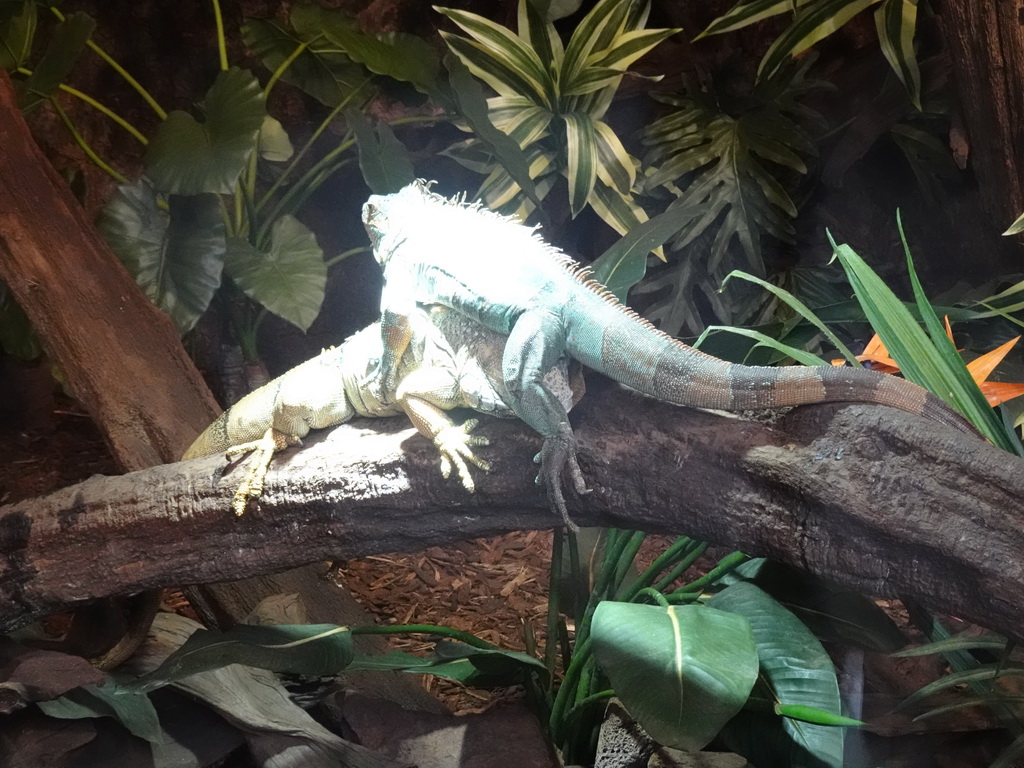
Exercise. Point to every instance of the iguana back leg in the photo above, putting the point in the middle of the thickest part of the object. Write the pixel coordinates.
(534, 346)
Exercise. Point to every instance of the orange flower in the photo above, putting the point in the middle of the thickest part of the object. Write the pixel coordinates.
(980, 368)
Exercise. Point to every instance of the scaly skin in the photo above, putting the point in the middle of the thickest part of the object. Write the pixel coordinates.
(499, 273)
(444, 361)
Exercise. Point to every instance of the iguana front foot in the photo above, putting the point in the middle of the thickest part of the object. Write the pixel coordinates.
(558, 454)
(455, 444)
(263, 451)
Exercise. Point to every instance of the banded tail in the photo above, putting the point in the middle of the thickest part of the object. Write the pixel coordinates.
(635, 353)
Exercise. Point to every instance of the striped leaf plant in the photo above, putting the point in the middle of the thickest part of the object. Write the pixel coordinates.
(814, 20)
(552, 99)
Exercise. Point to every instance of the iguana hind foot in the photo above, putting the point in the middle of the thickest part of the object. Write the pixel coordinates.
(263, 451)
(557, 455)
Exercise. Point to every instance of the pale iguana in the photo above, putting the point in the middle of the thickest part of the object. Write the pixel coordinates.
(501, 274)
(446, 361)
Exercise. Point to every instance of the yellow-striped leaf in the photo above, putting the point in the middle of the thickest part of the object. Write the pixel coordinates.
(896, 21)
(581, 148)
(814, 23)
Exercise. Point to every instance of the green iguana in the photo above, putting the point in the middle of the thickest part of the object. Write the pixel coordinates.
(446, 361)
(501, 274)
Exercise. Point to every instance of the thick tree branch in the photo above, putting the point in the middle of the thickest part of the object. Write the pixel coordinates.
(867, 496)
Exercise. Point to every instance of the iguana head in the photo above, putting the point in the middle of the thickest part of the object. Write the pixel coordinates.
(383, 214)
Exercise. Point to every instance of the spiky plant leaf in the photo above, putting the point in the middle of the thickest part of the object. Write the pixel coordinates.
(813, 23)
(727, 184)
(538, 82)
(745, 13)
(896, 21)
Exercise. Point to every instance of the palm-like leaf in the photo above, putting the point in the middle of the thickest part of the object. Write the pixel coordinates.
(539, 80)
(814, 20)
(718, 163)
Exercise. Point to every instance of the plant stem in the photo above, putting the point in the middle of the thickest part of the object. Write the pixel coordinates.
(726, 564)
(284, 66)
(306, 147)
(222, 47)
(85, 146)
(554, 599)
(146, 96)
(99, 107)
(344, 255)
(682, 566)
(654, 594)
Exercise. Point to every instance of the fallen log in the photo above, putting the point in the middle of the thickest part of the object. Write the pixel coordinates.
(866, 496)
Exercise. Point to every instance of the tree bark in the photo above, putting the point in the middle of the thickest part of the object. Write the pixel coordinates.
(872, 498)
(120, 355)
(123, 360)
(986, 40)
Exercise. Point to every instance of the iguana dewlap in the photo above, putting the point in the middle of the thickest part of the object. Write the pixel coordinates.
(444, 361)
(501, 274)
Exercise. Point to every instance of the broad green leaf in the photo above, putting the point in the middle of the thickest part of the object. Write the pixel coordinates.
(469, 98)
(175, 252)
(131, 708)
(1017, 227)
(187, 157)
(305, 649)
(681, 671)
(815, 22)
(321, 70)
(745, 13)
(797, 670)
(581, 148)
(289, 279)
(18, 20)
(62, 51)
(500, 58)
(383, 159)
(400, 56)
(274, 144)
(896, 21)
(623, 265)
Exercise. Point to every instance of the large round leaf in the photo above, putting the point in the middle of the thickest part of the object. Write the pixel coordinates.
(320, 70)
(681, 671)
(187, 157)
(175, 252)
(798, 671)
(289, 279)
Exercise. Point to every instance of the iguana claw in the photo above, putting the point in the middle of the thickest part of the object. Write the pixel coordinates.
(455, 446)
(263, 451)
(558, 454)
